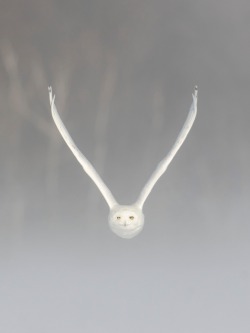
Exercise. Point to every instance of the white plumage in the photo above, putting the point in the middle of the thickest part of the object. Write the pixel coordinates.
(125, 221)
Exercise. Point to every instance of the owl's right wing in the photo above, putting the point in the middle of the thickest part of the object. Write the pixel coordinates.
(87, 166)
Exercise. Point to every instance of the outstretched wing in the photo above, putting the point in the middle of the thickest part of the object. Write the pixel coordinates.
(87, 166)
(162, 166)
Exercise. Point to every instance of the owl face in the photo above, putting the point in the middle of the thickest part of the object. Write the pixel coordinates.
(126, 221)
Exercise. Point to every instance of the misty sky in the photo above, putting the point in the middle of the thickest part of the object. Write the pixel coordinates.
(123, 72)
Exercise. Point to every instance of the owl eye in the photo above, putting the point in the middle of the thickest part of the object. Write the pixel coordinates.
(131, 217)
(118, 217)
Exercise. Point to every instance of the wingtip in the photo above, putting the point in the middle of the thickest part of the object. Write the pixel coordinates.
(195, 91)
(51, 97)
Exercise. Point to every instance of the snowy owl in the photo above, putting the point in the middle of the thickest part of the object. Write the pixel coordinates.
(125, 221)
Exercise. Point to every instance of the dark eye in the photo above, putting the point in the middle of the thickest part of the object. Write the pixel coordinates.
(118, 217)
(131, 217)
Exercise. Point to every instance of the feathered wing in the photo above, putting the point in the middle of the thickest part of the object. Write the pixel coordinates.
(162, 166)
(87, 166)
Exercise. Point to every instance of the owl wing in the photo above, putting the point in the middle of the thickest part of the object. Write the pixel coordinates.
(87, 166)
(162, 166)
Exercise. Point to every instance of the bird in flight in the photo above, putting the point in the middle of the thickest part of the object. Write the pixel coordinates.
(126, 221)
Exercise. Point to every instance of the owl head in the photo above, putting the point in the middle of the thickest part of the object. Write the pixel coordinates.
(126, 221)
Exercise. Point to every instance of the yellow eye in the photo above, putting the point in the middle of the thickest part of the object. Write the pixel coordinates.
(131, 217)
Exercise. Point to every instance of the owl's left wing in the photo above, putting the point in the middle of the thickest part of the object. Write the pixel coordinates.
(162, 166)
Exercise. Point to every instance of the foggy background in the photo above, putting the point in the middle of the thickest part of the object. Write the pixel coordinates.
(123, 72)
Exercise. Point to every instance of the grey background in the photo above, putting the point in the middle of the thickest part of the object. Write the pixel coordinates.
(123, 73)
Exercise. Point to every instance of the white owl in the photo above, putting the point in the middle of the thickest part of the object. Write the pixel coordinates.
(125, 221)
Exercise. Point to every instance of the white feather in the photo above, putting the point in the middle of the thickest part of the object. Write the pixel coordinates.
(162, 166)
(87, 166)
(125, 221)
